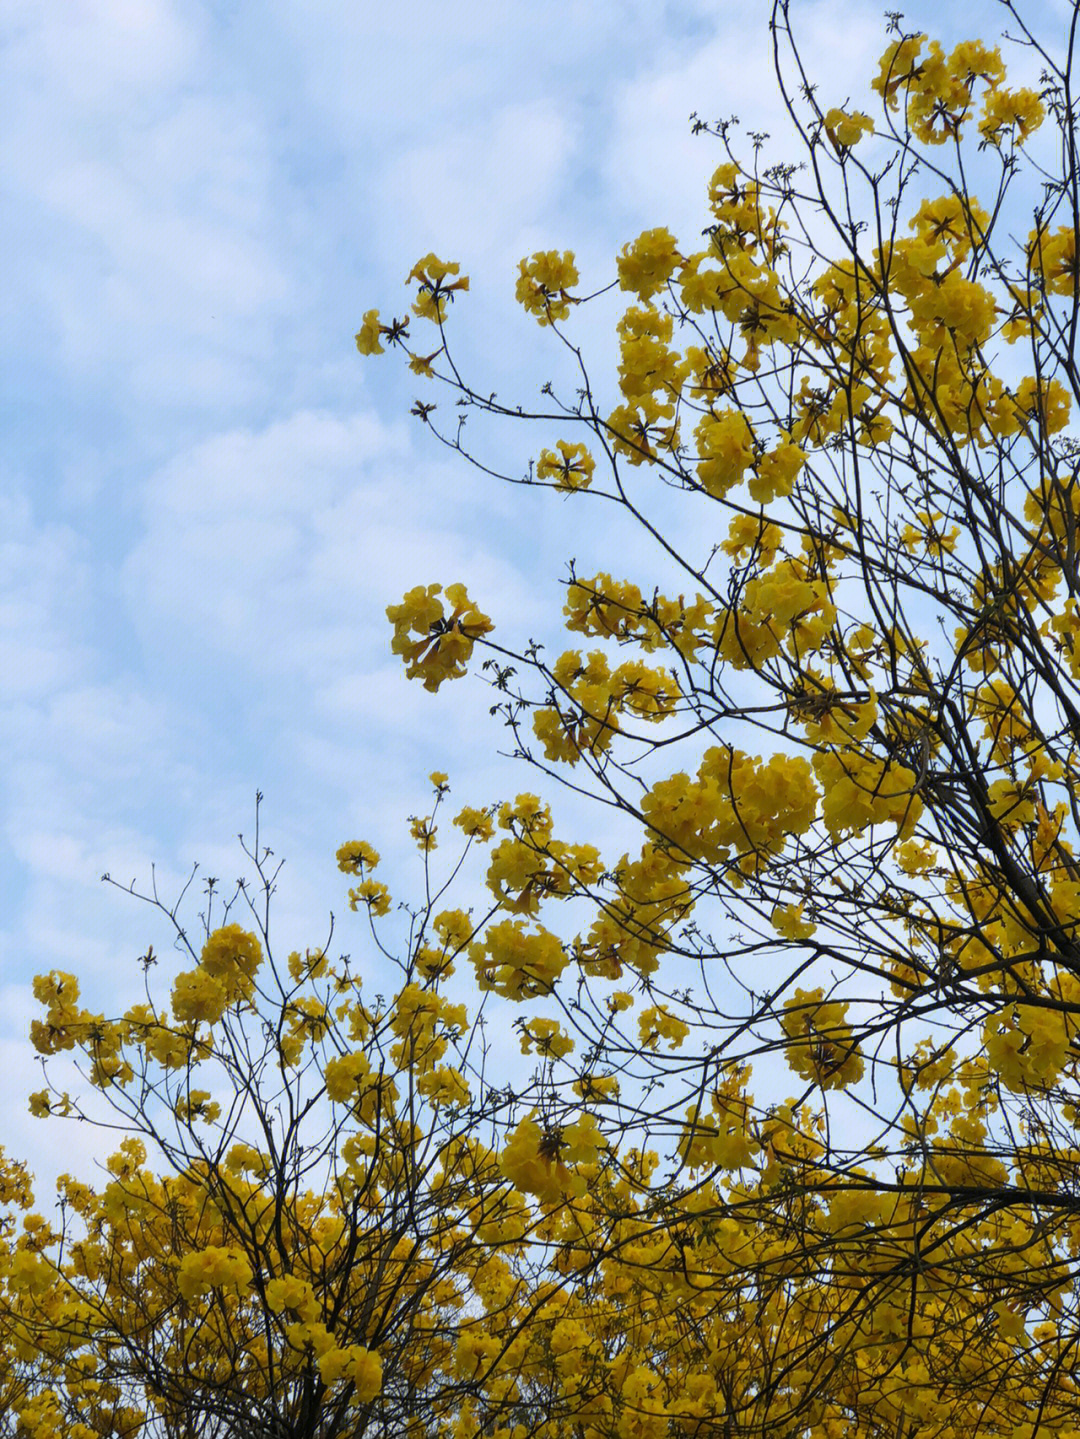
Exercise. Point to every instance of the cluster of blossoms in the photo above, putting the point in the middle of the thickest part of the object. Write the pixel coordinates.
(592, 697)
(823, 1046)
(938, 91)
(846, 128)
(225, 976)
(212, 1268)
(436, 646)
(571, 469)
(355, 858)
(548, 1037)
(615, 609)
(353, 1365)
(646, 265)
(551, 1166)
(1052, 256)
(436, 286)
(722, 1136)
(544, 285)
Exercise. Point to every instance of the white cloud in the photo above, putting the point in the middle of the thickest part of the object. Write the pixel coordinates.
(44, 582)
(281, 548)
(466, 190)
(147, 202)
(105, 51)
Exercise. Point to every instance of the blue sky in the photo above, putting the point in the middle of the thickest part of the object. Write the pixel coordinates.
(207, 499)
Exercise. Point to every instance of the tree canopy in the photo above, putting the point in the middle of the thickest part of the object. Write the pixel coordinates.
(800, 1151)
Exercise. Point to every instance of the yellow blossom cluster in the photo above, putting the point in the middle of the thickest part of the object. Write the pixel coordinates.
(354, 1365)
(529, 866)
(548, 1037)
(726, 448)
(517, 961)
(846, 128)
(615, 609)
(225, 976)
(354, 857)
(781, 608)
(436, 646)
(1052, 256)
(657, 1023)
(544, 283)
(823, 1046)
(571, 469)
(435, 286)
(721, 1137)
(860, 790)
(212, 1268)
(938, 90)
(647, 265)
(476, 823)
(591, 698)
(548, 1164)
(736, 805)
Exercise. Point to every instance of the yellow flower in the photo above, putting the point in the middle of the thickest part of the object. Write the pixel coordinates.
(454, 927)
(312, 964)
(777, 472)
(355, 1365)
(543, 283)
(1011, 803)
(421, 364)
(212, 1268)
(821, 1044)
(571, 469)
(846, 130)
(293, 1294)
(354, 856)
(548, 1037)
(243, 1158)
(343, 1074)
(233, 956)
(367, 339)
(1021, 111)
(434, 646)
(656, 1024)
(916, 856)
(196, 996)
(435, 288)
(28, 1274)
(898, 67)
(1045, 402)
(726, 449)
(370, 892)
(197, 1105)
(476, 823)
(787, 920)
(444, 1086)
(517, 963)
(531, 1161)
(646, 265)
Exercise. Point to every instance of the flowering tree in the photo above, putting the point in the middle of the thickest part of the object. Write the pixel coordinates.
(858, 392)
(800, 1152)
(303, 1229)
